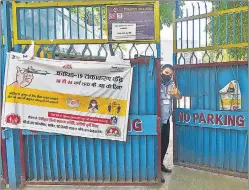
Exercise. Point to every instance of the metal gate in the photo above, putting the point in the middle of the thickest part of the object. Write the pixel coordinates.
(3, 50)
(69, 30)
(210, 38)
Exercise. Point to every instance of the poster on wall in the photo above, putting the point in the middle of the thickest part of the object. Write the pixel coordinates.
(131, 22)
(230, 96)
(87, 99)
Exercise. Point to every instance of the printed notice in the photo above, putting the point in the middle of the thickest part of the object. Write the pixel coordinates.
(122, 31)
(86, 99)
(141, 15)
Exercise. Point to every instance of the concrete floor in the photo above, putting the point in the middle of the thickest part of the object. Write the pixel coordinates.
(180, 179)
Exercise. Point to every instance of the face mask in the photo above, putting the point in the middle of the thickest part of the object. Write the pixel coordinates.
(166, 78)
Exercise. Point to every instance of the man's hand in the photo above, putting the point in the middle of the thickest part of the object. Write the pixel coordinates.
(23, 78)
(175, 92)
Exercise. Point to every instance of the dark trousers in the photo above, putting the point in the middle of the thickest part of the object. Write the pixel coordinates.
(165, 129)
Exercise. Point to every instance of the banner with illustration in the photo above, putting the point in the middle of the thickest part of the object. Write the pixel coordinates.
(79, 98)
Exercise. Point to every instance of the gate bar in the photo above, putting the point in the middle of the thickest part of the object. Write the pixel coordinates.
(215, 13)
(212, 170)
(1, 90)
(225, 46)
(215, 64)
(13, 163)
(76, 3)
(91, 183)
(158, 65)
(4, 159)
(23, 176)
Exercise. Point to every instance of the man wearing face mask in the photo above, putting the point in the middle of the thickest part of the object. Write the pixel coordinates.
(168, 91)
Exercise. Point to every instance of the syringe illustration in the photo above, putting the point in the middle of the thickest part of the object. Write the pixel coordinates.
(35, 71)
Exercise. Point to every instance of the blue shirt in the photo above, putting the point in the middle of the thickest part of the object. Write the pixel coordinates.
(166, 101)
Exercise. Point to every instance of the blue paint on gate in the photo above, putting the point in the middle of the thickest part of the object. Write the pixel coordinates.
(93, 160)
(141, 125)
(215, 146)
(54, 157)
(12, 142)
(76, 159)
(63, 158)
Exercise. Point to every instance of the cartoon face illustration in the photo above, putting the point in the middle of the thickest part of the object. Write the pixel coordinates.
(114, 108)
(93, 106)
(114, 120)
(119, 108)
(109, 108)
(231, 87)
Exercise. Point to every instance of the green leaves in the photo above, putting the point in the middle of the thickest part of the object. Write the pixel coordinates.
(229, 28)
(166, 12)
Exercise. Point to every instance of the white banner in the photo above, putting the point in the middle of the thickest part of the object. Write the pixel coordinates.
(88, 99)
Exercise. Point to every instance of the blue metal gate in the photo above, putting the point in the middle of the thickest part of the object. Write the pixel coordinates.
(3, 50)
(68, 160)
(61, 32)
(206, 136)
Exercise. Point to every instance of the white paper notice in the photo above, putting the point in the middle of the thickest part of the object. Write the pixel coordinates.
(123, 31)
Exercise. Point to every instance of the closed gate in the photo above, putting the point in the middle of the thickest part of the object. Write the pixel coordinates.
(210, 56)
(3, 49)
(77, 30)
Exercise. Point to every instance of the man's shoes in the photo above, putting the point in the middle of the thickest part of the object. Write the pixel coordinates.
(164, 169)
(162, 180)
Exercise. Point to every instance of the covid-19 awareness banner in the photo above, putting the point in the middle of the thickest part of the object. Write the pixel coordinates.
(78, 98)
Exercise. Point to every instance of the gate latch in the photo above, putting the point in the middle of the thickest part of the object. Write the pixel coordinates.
(5, 134)
(151, 66)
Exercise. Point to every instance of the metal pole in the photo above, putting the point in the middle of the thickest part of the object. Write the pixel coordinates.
(13, 140)
(1, 91)
(1, 58)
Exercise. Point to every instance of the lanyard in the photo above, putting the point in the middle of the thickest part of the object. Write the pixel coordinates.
(167, 90)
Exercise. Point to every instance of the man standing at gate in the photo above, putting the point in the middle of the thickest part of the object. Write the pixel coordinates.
(168, 92)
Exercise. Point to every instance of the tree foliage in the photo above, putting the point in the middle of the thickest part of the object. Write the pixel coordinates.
(166, 12)
(229, 29)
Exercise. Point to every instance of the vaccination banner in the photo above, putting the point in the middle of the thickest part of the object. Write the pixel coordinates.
(78, 98)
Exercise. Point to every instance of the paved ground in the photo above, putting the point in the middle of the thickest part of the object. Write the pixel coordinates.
(181, 179)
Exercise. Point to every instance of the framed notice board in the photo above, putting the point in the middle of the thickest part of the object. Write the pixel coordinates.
(133, 22)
